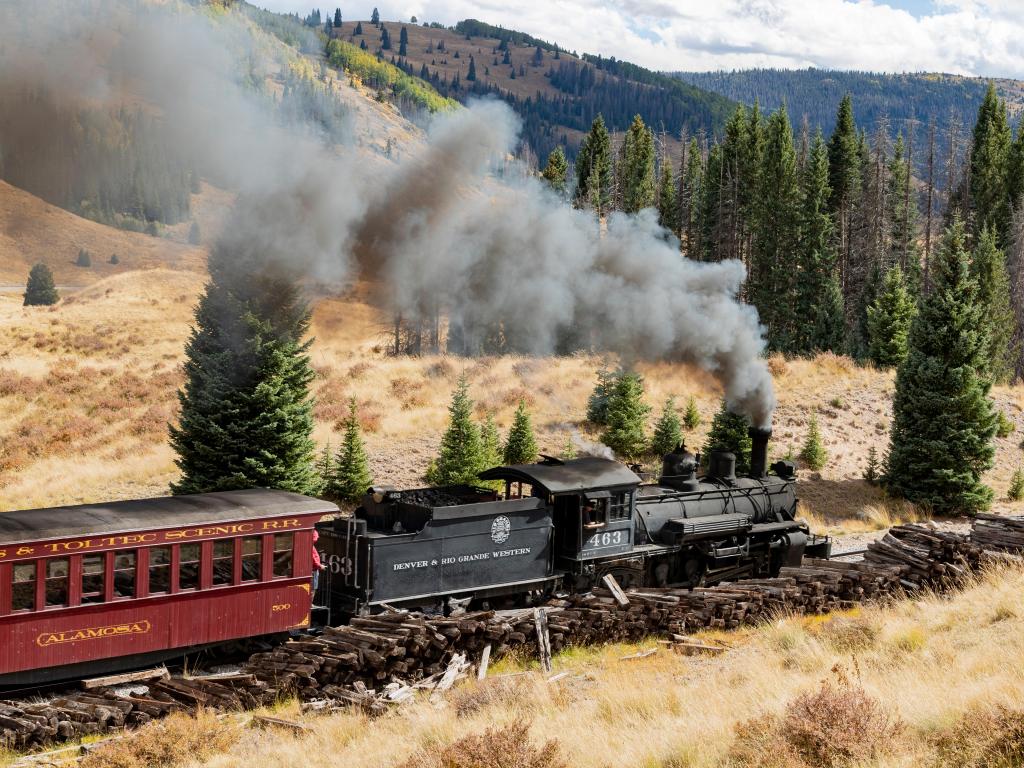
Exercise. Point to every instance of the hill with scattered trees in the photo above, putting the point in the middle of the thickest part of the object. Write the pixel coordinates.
(556, 93)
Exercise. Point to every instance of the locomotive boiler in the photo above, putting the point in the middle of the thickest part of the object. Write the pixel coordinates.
(563, 525)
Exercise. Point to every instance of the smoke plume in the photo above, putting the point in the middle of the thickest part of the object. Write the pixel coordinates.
(450, 228)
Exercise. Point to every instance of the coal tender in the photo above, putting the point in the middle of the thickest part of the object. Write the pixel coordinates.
(563, 526)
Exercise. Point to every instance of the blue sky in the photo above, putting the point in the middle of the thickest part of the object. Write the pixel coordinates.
(971, 37)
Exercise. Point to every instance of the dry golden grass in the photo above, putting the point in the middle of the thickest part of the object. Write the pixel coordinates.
(33, 231)
(174, 741)
(928, 682)
(87, 388)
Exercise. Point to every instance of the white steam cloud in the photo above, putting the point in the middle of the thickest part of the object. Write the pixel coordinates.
(440, 230)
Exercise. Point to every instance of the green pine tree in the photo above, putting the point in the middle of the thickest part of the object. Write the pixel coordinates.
(568, 449)
(729, 432)
(813, 453)
(889, 318)
(490, 442)
(901, 207)
(772, 278)
(844, 178)
(691, 419)
(1016, 490)
(40, 290)
(246, 413)
(940, 443)
(556, 169)
(639, 185)
(461, 456)
(84, 258)
(668, 208)
(871, 470)
(594, 169)
(324, 468)
(668, 431)
(351, 477)
(597, 403)
(988, 267)
(818, 322)
(521, 447)
(627, 417)
(689, 198)
(990, 186)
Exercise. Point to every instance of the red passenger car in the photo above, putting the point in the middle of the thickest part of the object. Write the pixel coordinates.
(95, 588)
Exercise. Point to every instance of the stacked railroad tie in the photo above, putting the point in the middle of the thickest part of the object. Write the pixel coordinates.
(999, 534)
(378, 660)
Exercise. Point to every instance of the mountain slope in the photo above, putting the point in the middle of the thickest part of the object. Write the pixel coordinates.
(557, 94)
(898, 97)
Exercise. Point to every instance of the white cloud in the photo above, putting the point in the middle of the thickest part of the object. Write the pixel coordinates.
(973, 37)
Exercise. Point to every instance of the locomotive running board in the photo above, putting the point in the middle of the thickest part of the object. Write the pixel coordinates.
(695, 528)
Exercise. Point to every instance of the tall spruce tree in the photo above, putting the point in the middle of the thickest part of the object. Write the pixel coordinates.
(729, 432)
(771, 282)
(844, 180)
(990, 167)
(943, 420)
(594, 169)
(889, 318)
(350, 478)
(668, 209)
(627, 417)
(555, 171)
(902, 216)
(818, 322)
(521, 446)
(988, 267)
(246, 413)
(639, 187)
(337, 17)
(690, 179)
(40, 290)
(461, 457)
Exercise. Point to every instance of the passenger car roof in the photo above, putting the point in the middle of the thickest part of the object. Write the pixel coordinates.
(154, 514)
(569, 476)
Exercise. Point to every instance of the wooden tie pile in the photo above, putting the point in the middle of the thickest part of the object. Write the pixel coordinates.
(377, 660)
(999, 534)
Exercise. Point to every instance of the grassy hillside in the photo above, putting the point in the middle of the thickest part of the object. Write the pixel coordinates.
(556, 93)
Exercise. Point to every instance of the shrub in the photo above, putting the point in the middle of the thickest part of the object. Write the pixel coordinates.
(691, 419)
(40, 290)
(1016, 492)
(984, 737)
(838, 403)
(502, 747)
(813, 452)
(837, 726)
(568, 449)
(115, 259)
(1004, 425)
(176, 740)
(84, 259)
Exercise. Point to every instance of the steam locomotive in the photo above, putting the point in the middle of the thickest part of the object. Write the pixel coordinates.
(565, 525)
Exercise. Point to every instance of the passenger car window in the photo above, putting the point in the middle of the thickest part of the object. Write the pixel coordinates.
(283, 545)
(23, 596)
(159, 570)
(57, 582)
(124, 573)
(252, 558)
(223, 562)
(93, 567)
(188, 566)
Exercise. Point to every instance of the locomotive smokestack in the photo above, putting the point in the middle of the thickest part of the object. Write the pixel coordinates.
(759, 450)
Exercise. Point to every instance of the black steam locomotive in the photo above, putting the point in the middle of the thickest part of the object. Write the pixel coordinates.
(564, 525)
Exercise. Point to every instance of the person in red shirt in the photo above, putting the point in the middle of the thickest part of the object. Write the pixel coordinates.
(317, 562)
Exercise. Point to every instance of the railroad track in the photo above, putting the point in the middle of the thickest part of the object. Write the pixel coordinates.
(377, 660)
